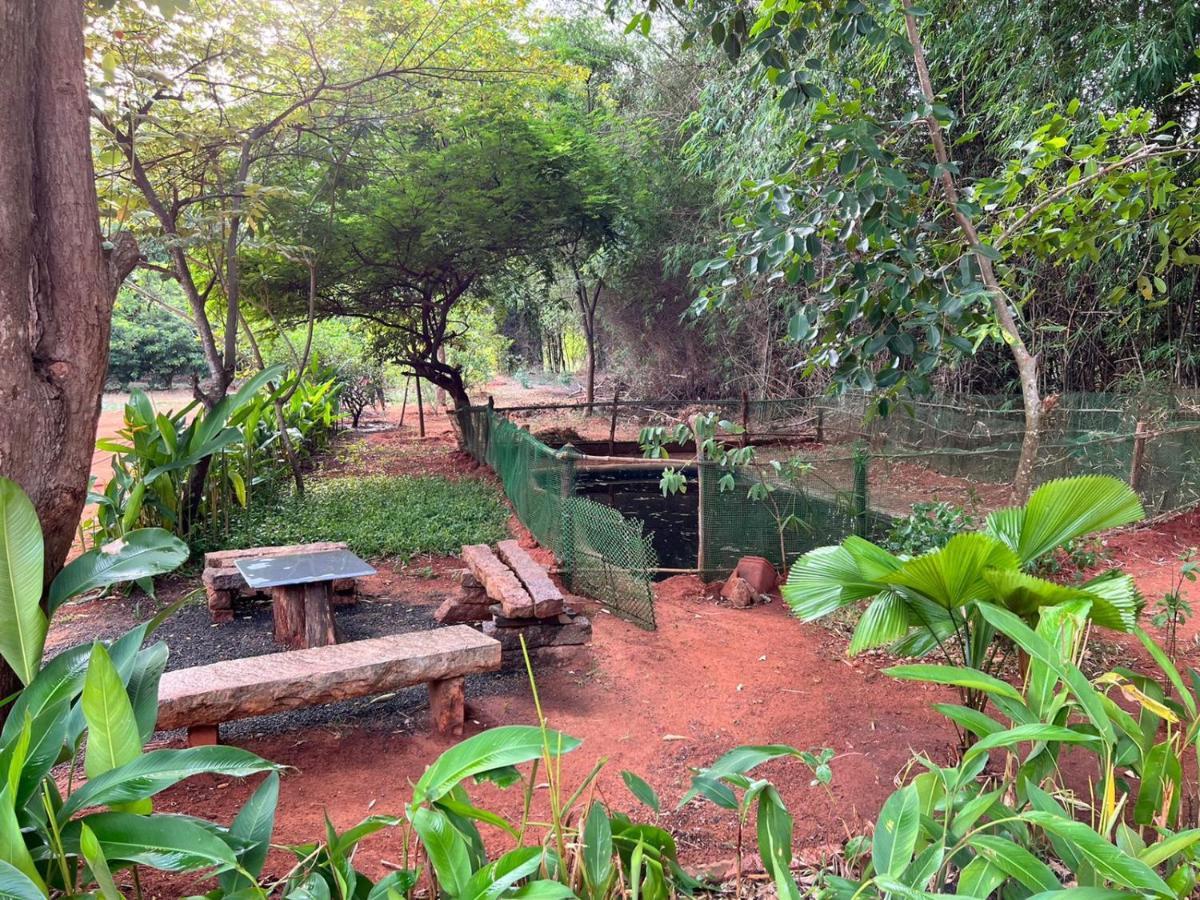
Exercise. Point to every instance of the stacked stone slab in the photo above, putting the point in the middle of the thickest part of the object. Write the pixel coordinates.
(514, 597)
(223, 583)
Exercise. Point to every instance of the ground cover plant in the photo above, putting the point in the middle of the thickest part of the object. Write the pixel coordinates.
(378, 516)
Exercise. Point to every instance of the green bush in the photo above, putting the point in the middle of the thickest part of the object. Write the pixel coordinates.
(378, 516)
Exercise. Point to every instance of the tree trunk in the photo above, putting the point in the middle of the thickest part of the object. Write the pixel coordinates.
(57, 279)
(1027, 363)
(591, 368)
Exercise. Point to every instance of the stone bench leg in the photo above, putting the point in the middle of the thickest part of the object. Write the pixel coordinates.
(447, 705)
(203, 735)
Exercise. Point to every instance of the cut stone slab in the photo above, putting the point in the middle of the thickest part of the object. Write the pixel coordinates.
(541, 634)
(459, 610)
(547, 598)
(499, 581)
(278, 682)
(224, 558)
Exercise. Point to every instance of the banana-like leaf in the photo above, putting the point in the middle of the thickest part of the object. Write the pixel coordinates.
(495, 748)
(1108, 860)
(1035, 732)
(113, 737)
(143, 684)
(775, 829)
(254, 825)
(597, 851)
(60, 680)
(139, 554)
(1063, 510)
(47, 733)
(885, 620)
(166, 842)
(93, 854)
(896, 832)
(1015, 861)
(953, 576)
(956, 676)
(445, 848)
(16, 885)
(1060, 625)
(494, 880)
(22, 623)
(150, 773)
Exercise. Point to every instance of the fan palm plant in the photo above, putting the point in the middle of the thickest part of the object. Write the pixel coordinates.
(931, 602)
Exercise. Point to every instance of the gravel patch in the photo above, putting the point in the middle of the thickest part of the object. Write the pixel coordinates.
(195, 641)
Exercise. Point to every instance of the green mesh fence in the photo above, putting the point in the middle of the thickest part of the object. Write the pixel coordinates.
(604, 555)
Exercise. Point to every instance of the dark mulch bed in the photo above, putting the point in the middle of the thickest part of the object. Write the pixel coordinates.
(194, 641)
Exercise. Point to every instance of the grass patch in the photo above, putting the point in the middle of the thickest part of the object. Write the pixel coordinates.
(376, 516)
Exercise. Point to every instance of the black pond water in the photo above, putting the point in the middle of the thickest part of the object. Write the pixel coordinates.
(745, 528)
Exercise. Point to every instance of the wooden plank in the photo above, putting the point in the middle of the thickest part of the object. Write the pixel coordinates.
(547, 598)
(279, 682)
(498, 580)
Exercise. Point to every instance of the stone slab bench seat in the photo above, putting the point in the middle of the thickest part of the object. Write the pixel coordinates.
(223, 582)
(202, 697)
(513, 580)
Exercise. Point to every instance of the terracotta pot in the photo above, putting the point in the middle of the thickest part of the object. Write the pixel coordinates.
(759, 572)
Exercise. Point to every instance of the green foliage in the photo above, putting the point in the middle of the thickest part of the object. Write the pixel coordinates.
(377, 516)
(151, 344)
(1173, 608)
(929, 527)
(940, 600)
(954, 831)
(235, 447)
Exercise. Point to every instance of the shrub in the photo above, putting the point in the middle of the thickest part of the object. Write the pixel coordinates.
(929, 527)
(378, 516)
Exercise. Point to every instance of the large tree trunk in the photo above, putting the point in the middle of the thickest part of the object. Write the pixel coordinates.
(57, 282)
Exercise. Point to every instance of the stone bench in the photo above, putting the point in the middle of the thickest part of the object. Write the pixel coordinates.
(223, 582)
(203, 697)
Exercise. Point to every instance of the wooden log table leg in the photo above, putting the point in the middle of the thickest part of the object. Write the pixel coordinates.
(319, 628)
(304, 615)
(447, 705)
(287, 603)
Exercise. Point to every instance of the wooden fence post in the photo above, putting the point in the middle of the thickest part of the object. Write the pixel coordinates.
(820, 424)
(745, 418)
(701, 555)
(1140, 434)
(404, 403)
(612, 424)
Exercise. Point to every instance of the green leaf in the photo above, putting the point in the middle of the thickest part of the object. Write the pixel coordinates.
(1158, 853)
(638, 787)
(896, 832)
(737, 761)
(1015, 861)
(253, 826)
(955, 676)
(22, 623)
(1108, 861)
(597, 850)
(1033, 732)
(445, 847)
(953, 576)
(979, 724)
(148, 774)
(143, 684)
(113, 737)
(883, 621)
(166, 842)
(139, 554)
(979, 878)
(775, 842)
(495, 748)
(1065, 509)
(16, 885)
(13, 850)
(495, 879)
(824, 580)
(1084, 893)
(94, 855)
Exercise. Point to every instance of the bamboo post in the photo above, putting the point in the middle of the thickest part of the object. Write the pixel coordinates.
(420, 407)
(745, 418)
(1140, 434)
(612, 423)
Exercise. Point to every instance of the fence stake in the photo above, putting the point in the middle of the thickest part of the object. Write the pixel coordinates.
(404, 403)
(1139, 455)
(745, 418)
(859, 511)
(820, 424)
(701, 559)
(612, 424)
